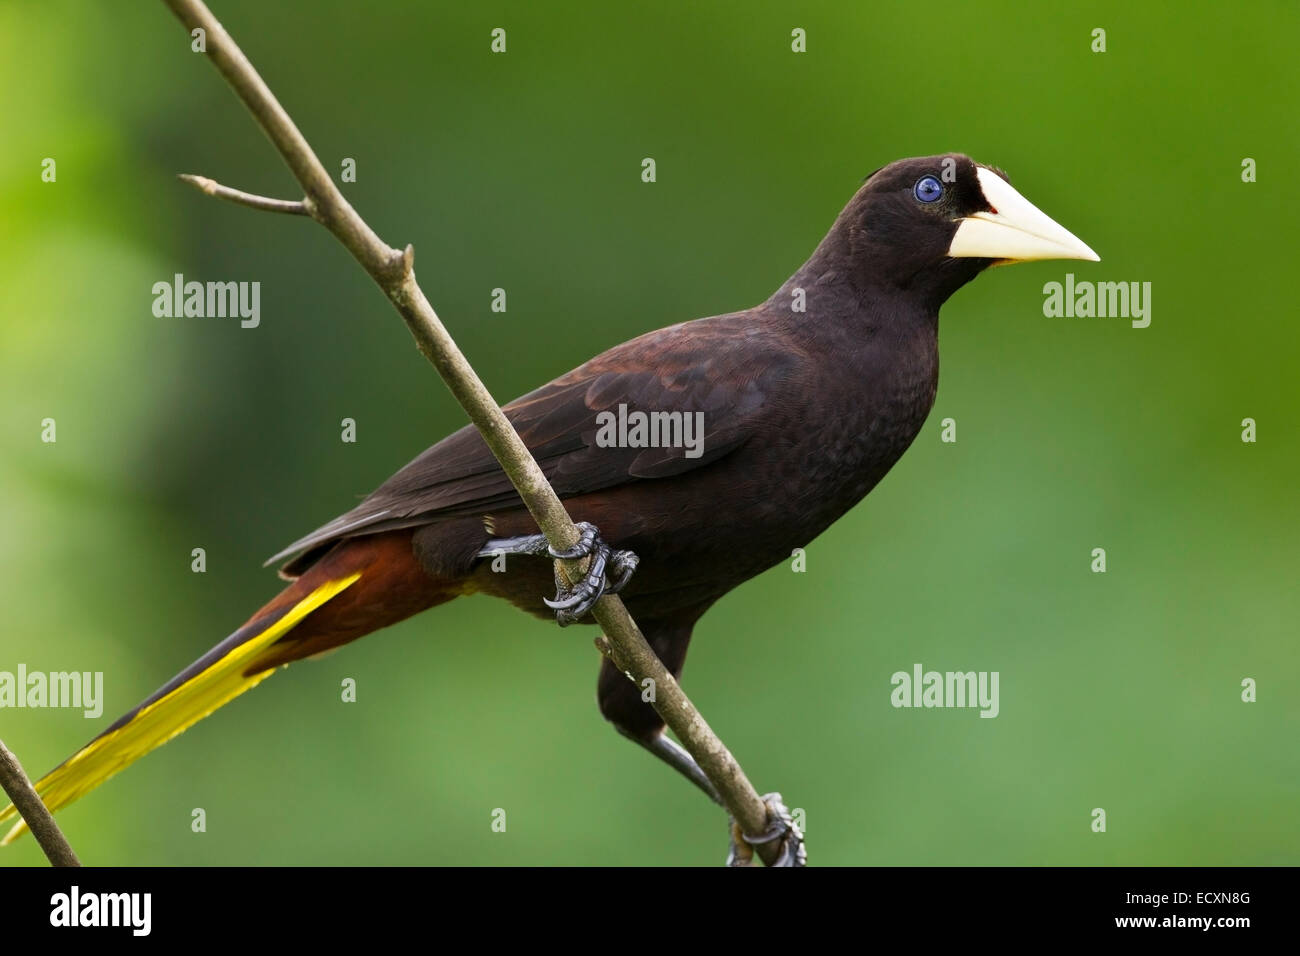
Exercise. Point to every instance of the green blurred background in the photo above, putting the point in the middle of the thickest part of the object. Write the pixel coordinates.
(1118, 690)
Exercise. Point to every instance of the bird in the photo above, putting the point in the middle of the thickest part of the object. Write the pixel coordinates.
(693, 458)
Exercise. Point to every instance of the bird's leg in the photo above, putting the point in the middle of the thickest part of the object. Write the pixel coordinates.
(781, 826)
(573, 602)
(622, 703)
(673, 754)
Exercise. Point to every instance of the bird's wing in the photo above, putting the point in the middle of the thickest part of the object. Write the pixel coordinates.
(727, 368)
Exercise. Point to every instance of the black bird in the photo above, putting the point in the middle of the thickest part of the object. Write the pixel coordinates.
(770, 424)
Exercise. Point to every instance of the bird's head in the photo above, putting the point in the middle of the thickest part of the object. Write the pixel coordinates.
(929, 225)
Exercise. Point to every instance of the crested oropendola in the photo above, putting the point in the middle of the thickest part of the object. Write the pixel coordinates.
(801, 413)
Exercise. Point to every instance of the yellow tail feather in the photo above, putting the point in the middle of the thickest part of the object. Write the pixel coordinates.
(168, 716)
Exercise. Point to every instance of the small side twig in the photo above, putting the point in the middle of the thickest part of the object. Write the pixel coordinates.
(213, 188)
(33, 810)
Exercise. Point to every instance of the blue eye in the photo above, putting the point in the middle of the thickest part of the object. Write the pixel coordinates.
(928, 189)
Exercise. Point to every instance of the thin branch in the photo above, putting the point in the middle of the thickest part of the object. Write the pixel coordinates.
(394, 273)
(214, 188)
(29, 804)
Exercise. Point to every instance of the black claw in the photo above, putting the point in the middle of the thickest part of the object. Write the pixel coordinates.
(781, 826)
(592, 582)
(623, 564)
(573, 602)
(588, 537)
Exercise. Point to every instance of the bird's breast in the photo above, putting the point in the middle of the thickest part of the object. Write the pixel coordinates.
(852, 430)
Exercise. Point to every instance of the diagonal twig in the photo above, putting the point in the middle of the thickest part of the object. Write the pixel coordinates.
(393, 271)
(33, 810)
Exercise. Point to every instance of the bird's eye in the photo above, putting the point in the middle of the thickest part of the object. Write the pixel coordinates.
(928, 189)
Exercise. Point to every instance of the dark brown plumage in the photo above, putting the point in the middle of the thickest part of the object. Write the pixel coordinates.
(804, 411)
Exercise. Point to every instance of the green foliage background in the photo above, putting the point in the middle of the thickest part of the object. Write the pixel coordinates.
(1118, 691)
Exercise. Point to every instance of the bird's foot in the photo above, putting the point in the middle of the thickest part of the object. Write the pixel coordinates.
(608, 572)
(781, 826)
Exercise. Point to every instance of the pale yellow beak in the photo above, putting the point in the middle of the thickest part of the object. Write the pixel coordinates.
(1018, 231)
